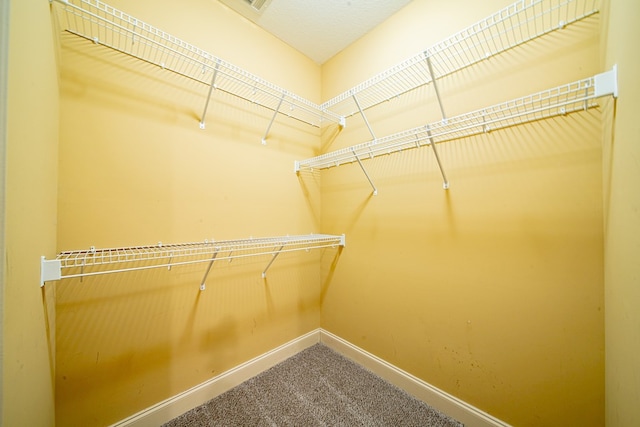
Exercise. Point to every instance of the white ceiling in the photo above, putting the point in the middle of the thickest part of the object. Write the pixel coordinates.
(318, 28)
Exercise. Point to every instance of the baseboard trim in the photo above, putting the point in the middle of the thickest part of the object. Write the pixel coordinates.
(179, 404)
(168, 409)
(467, 414)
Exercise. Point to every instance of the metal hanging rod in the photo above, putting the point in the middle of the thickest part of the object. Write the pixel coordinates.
(93, 262)
(110, 27)
(565, 99)
(516, 24)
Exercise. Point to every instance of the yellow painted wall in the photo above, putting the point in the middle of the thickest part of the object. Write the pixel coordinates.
(492, 290)
(30, 229)
(135, 169)
(622, 218)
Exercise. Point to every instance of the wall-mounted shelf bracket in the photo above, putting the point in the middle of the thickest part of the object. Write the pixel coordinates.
(273, 258)
(364, 117)
(275, 113)
(50, 269)
(607, 83)
(375, 190)
(203, 286)
(435, 85)
(212, 86)
(445, 182)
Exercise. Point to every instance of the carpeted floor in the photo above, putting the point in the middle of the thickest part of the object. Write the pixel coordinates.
(316, 387)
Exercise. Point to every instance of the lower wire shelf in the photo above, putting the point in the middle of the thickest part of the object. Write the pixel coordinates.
(93, 262)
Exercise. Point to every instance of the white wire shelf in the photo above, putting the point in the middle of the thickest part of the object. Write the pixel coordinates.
(110, 27)
(93, 262)
(514, 25)
(561, 100)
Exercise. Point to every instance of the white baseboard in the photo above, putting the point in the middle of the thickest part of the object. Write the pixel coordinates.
(467, 414)
(179, 404)
(167, 410)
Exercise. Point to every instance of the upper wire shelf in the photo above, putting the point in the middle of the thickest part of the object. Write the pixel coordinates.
(107, 26)
(516, 24)
(576, 96)
(92, 262)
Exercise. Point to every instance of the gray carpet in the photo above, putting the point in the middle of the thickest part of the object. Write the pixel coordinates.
(316, 387)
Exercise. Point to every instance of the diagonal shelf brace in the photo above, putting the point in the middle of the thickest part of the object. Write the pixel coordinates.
(375, 190)
(275, 255)
(364, 117)
(169, 261)
(206, 273)
(275, 113)
(435, 86)
(445, 182)
(211, 88)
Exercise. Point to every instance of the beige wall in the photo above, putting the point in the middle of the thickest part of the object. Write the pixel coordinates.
(135, 169)
(492, 290)
(31, 186)
(622, 218)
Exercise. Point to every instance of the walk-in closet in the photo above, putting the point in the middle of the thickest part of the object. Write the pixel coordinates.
(449, 201)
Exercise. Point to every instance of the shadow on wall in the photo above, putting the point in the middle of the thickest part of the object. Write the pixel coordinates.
(544, 144)
(328, 269)
(127, 341)
(310, 184)
(328, 135)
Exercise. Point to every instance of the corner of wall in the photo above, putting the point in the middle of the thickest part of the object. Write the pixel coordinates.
(29, 212)
(4, 47)
(622, 217)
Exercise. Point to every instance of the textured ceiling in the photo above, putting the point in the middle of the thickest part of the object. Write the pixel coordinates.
(319, 28)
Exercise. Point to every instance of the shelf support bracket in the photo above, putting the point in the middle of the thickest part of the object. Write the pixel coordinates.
(364, 117)
(435, 86)
(50, 269)
(264, 273)
(375, 190)
(445, 182)
(607, 83)
(169, 262)
(211, 88)
(275, 113)
(206, 273)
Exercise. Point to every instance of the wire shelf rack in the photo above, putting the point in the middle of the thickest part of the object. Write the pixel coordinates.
(576, 96)
(514, 25)
(110, 27)
(92, 262)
